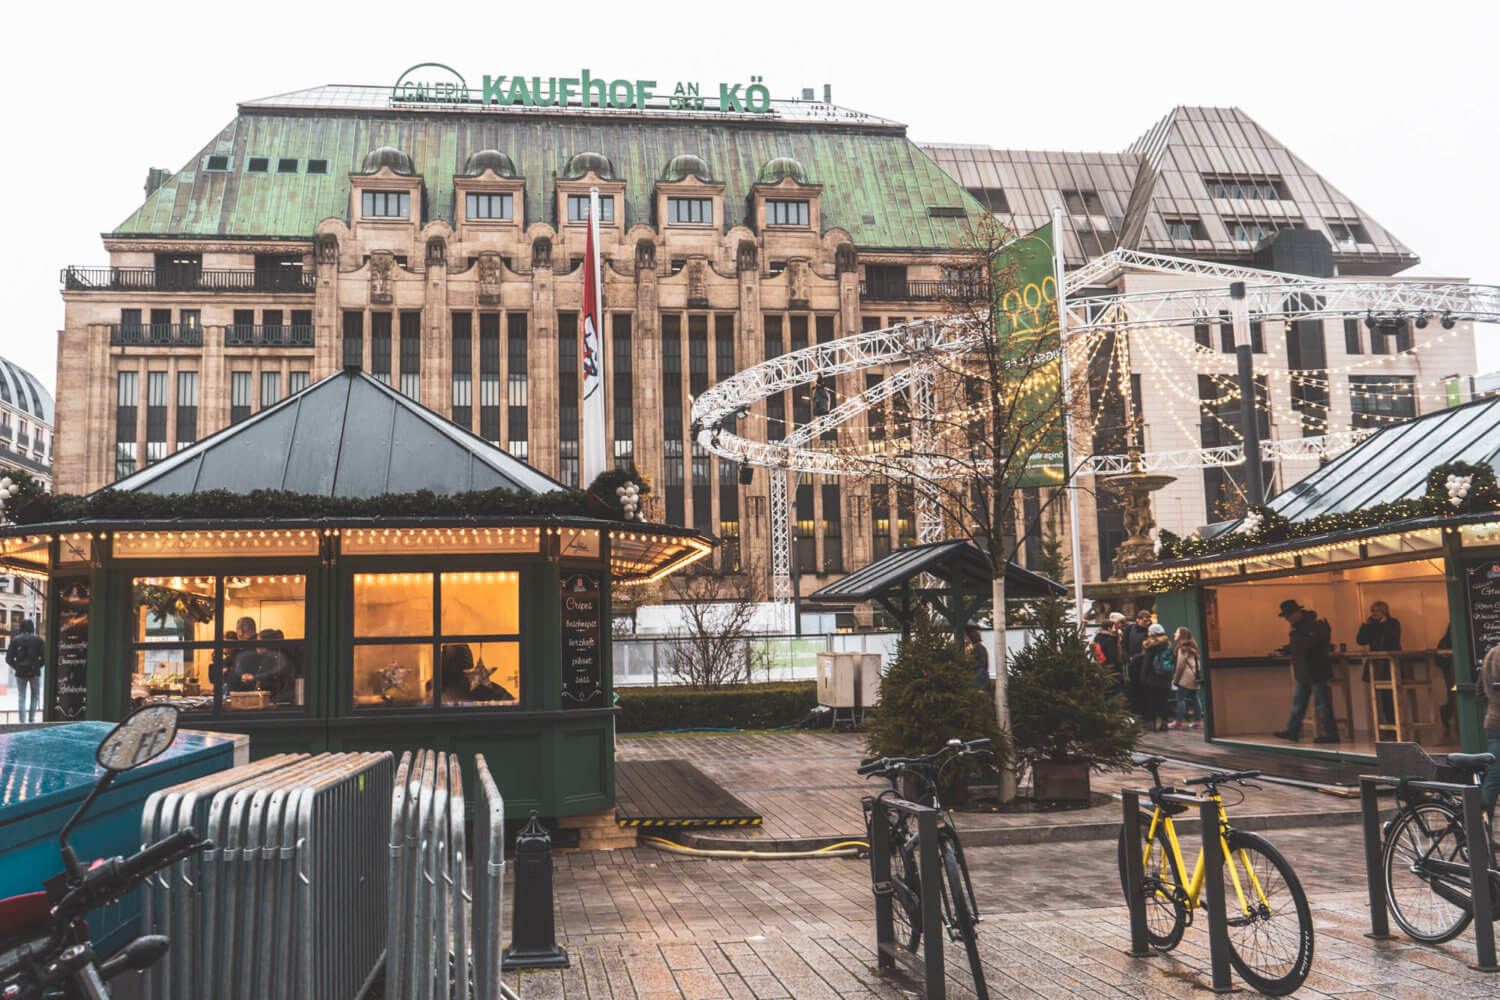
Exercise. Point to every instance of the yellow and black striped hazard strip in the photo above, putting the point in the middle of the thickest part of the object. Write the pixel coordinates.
(743, 821)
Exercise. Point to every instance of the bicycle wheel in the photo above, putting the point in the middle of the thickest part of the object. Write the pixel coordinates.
(906, 901)
(956, 906)
(1430, 908)
(1271, 937)
(1166, 907)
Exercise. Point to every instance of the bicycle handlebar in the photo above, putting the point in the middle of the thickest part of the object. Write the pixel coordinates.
(1219, 777)
(885, 765)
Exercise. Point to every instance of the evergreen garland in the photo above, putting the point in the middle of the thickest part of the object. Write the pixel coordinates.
(266, 505)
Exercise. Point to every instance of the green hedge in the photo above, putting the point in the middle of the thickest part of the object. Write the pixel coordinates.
(747, 706)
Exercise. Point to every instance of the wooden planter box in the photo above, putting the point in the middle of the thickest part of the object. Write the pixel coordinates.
(1060, 781)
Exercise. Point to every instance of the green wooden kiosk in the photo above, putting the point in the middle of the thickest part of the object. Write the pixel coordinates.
(1380, 523)
(289, 578)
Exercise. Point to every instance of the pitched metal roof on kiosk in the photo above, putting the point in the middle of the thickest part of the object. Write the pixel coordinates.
(348, 435)
(955, 562)
(1393, 463)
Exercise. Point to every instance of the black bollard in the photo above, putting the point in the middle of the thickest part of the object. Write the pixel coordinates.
(533, 942)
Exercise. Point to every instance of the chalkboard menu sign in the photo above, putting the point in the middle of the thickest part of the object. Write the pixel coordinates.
(71, 653)
(582, 666)
(1482, 582)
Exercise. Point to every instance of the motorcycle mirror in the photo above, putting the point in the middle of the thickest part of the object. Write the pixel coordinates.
(143, 736)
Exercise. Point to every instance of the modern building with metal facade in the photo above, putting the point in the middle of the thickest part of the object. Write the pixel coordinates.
(438, 247)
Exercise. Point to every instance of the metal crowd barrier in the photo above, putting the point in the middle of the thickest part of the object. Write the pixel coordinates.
(489, 887)
(291, 901)
(1213, 877)
(430, 943)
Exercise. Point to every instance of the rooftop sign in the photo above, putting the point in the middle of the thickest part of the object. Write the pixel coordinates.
(436, 83)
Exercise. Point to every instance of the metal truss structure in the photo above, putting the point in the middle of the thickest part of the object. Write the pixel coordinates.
(1191, 459)
(914, 351)
(1290, 300)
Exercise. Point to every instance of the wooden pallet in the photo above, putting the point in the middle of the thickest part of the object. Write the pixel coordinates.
(674, 793)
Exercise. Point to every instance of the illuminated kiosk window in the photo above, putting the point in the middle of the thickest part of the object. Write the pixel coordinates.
(471, 648)
(219, 644)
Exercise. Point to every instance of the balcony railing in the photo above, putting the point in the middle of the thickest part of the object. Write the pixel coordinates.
(244, 335)
(155, 335)
(150, 279)
(922, 291)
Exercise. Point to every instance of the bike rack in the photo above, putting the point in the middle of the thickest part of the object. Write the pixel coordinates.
(929, 965)
(1213, 879)
(1479, 860)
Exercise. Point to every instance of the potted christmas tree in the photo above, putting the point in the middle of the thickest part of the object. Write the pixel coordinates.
(928, 697)
(1067, 715)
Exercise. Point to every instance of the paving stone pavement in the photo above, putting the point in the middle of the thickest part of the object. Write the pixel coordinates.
(805, 785)
(641, 924)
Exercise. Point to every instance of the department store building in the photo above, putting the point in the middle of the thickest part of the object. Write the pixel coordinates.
(437, 243)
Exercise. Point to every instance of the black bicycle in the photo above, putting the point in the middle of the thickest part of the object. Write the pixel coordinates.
(960, 910)
(1425, 859)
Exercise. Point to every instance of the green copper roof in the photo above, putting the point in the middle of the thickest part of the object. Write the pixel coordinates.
(877, 184)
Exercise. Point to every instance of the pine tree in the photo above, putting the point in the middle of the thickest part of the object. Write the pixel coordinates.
(1065, 705)
(928, 697)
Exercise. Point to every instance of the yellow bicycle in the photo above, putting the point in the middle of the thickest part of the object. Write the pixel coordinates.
(1269, 921)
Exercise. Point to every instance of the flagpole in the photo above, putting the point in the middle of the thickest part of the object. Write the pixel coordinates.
(592, 459)
(1058, 263)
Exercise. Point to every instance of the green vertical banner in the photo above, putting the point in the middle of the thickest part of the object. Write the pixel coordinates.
(1026, 330)
(1453, 385)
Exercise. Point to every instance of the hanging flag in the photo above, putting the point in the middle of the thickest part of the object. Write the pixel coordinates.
(592, 362)
(1026, 329)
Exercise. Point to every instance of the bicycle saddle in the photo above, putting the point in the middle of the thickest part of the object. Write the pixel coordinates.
(1152, 761)
(1472, 762)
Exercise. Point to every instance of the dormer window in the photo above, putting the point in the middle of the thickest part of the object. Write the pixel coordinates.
(387, 205)
(489, 206)
(787, 213)
(692, 211)
(578, 208)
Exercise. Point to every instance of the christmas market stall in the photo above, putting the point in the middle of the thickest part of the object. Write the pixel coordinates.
(346, 570)
(1395, 544)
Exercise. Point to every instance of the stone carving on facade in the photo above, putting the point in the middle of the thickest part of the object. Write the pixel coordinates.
(799, 280)
(541, 254)
(437, 252)
(746, 255)
(844, 259)
(382, 278)
(328, 248)
(645, 256)
(697, 281)
(489, 279)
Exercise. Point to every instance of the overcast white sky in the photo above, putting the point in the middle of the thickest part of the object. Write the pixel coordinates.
(1398, 104)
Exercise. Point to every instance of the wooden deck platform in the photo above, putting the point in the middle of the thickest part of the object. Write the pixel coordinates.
(674, 793)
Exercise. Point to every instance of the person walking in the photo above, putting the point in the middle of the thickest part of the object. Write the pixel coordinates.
(1157, 668)
(979, 657)
(1308, 645)
(1380, 633)
(1107, 648)
(26, 656)
(1134, 639)
(1188, 678)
